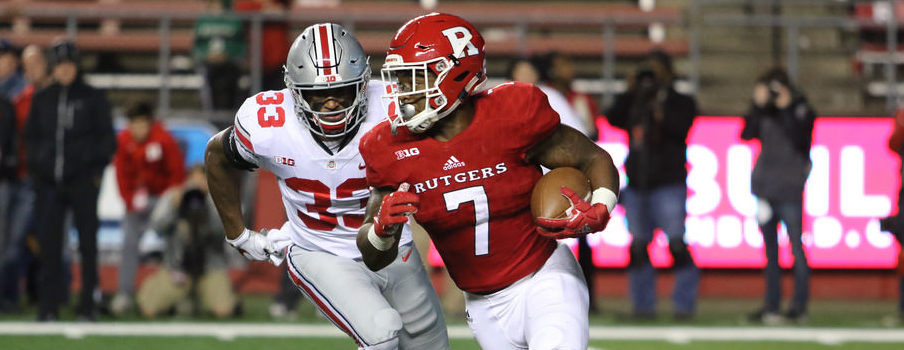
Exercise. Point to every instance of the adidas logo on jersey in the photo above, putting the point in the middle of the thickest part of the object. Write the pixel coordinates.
(453, 163)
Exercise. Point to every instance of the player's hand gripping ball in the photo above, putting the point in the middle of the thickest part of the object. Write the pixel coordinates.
(559, 203)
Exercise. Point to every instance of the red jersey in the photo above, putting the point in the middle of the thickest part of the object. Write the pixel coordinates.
(153, 165)
(475, 188)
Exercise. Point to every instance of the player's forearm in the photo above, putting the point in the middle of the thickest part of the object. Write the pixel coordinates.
(223, 182)
(375, 258)
(601, 171)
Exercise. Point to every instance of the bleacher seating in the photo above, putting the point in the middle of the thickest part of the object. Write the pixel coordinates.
(131, 28)
(873, 52)
(580, 23)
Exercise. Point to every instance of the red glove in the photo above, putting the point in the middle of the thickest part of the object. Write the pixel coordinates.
(583, 218)
(394, 211)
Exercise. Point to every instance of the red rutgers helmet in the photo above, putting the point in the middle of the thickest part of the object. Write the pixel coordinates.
(438, 43)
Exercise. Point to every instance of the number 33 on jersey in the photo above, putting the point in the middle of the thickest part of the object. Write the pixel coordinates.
(324, 192)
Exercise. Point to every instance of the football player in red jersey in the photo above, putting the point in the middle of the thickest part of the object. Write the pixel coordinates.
(463, 163)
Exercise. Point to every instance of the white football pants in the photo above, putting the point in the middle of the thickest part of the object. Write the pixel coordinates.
(545, 310)
(395, 307)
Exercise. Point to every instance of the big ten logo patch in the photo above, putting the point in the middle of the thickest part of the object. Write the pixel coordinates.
(405, 153)
(326, 79)
(284, 161)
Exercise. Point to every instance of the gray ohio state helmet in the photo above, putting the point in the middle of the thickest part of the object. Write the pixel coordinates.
(327, 56)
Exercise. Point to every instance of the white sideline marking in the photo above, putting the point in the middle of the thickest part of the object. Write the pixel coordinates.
(228, 331)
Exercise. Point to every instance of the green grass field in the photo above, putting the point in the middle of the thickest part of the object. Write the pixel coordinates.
(711, 312)
(715, 315)
(201, 343)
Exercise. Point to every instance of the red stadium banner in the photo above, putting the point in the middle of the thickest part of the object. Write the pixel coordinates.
(854, 182)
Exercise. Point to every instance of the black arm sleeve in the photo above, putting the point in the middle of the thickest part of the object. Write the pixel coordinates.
(232, 154)
(800, 125)
(751, 124)
(679, 116)
(8, 152)
(104, 133)
(619, 113)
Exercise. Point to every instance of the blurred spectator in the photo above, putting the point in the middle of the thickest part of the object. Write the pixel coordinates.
(12, 205)
(7, 143)
(37, 75)
(11, 84)
(69, 141)
(556, 74)
(557, 71)
(523, 70)
(782, 119)
(526, 71)
(657, 119)
(275, 41)
(194, 263)
(148, 161)
(219, 52)
(7, 161)
(17, 260)
(894, 224)
(11, 80)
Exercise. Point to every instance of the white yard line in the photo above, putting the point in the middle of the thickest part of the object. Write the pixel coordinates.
(229, 331)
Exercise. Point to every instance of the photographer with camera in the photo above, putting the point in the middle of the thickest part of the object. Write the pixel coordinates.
(657, 119)
(782, 119)
(194, 262)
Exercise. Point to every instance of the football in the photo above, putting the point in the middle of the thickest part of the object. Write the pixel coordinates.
(546, 199)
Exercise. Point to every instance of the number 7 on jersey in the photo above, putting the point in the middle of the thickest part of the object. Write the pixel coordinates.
(478, 195)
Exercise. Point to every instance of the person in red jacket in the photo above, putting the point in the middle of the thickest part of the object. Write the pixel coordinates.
(148, 161)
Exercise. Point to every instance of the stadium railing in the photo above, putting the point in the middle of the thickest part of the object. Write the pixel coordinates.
(592, 30)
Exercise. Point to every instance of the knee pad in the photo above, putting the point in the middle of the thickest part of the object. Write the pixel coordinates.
(638, 254)
(391, 344)
(424, 323)
(554, 338)
(383, 330)
(680, 254)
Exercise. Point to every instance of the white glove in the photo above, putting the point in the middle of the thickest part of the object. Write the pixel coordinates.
(281, 241)
(254, 245)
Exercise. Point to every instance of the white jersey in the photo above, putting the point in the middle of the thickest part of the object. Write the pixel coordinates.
(560, 104)
(324, 194)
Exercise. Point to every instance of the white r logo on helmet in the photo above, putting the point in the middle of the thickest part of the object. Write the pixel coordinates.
(460, 38)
